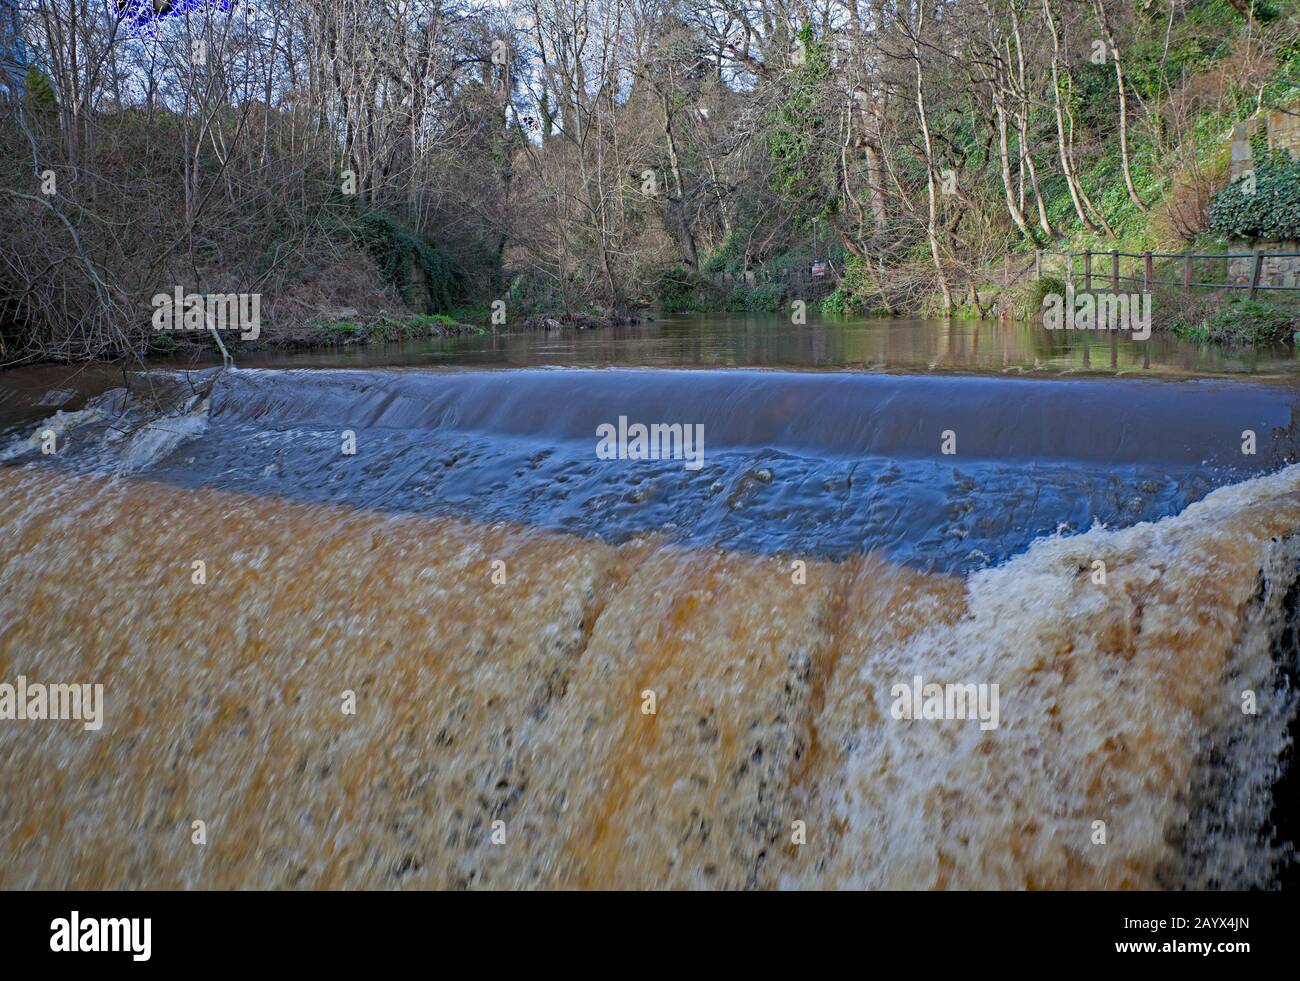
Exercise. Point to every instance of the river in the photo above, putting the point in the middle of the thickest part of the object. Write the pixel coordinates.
(571, 671)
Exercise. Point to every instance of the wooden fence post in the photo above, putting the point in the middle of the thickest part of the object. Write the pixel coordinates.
(1067, 268)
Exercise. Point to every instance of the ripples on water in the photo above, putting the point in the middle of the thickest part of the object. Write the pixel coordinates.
(824, 466)
(521, 702)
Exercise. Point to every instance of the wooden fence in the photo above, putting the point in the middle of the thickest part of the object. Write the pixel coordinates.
(1108, 268)
(1085, 270)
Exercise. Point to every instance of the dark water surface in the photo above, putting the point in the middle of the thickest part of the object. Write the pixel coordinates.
(957, 446)
(771, 341)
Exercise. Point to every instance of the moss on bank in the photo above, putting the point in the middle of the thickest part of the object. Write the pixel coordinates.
(388, 328)
(314, 334)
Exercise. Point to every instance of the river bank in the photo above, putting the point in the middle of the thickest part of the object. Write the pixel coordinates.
(344, 330)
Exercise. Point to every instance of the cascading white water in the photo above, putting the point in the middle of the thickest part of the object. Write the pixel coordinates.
(517, 693)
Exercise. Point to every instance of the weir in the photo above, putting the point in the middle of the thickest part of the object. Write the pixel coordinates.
(819, 465)
(517, 697)
(1110, 421)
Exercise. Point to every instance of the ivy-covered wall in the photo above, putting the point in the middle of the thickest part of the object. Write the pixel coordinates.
(1260, 208)
(1264, 203)
(424, 276)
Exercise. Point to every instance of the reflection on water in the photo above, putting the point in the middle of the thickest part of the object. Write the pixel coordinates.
(771, 341)
(724, 341)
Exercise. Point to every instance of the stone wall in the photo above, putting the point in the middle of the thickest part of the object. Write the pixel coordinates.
(1242, 133)
(1282, 129)
(1274, 272)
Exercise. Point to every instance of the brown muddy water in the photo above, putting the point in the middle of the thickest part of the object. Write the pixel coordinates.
(505, 606)
(770, 341)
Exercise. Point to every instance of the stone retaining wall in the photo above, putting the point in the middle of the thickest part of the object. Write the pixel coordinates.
(1282, 128)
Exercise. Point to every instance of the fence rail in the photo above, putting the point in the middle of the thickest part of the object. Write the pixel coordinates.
(1090, 268)
(1251, 278)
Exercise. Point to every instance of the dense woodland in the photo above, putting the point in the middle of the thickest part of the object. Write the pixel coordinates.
(371, 158)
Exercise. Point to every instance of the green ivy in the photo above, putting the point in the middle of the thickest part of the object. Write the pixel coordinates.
(40, 91)
(803, 156)
(1271, 212)
(397, 252)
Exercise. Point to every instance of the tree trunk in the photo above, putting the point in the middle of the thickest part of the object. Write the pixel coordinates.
(1123, 104)
(931, 226)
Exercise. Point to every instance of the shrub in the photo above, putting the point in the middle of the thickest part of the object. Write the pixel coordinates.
(1185, 314)
(390, 328)
(1029, 305)
(39, 90)
(1254, 322)
(1184, 214)
(471, 313)
(858, 292)
(760, 298)
(682, 290)
(1271, 211)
